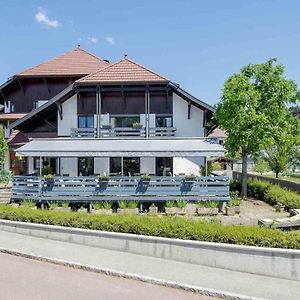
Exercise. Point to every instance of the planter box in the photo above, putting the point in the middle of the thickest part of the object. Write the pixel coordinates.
(171, 211)
(237, 209)
(230, 210)
(82, 210)
(28, 207)
(207, 211)
(153, 210)
(14, 204)
(137, 126)
(128, 211)
(102, 211)
(66, 209)
(181, 211)
(279, 208)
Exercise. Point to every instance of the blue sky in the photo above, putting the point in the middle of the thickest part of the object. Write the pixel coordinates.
(197, 44)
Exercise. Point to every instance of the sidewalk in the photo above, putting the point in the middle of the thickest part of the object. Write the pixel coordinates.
(154, 269)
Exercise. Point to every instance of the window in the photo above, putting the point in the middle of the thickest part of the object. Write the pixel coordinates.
(39, 103)
(164, 121)
(131, 165)
(126, 121)
(86, 121)
(85, 166)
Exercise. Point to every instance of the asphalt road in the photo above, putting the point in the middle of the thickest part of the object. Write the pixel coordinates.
(26, 279)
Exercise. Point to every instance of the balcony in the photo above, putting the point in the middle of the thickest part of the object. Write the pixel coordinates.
(123, 132)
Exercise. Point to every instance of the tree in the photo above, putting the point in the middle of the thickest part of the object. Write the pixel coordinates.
(253, 110)
(260, 166)
(3, 147)
(285, 146)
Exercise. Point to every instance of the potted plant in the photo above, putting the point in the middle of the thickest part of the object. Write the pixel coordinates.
(128, 207)
(170, 208)
(189, 180)
(153, 210)
(233, 207)
(137, 125)
(103, 178)
(145, 177)
(181, 207)
(28, 204)
(102, 208)
(49, 181)
(209, 208)
(54, 205)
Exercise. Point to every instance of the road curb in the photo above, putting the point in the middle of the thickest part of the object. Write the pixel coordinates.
(161, 282)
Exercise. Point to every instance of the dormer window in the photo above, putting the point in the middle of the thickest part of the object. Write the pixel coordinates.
(39, 103)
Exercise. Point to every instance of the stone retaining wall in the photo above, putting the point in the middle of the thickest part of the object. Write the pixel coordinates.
(281, 263)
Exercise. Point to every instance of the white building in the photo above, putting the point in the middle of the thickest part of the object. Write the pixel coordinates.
(120, 120)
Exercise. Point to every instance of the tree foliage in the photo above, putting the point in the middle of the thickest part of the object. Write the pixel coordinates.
(253, 110)
(3, 146)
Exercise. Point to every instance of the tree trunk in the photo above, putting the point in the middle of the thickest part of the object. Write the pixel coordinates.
(277, 174)
(244, 174)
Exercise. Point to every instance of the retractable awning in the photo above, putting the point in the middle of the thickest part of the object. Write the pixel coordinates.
(176, 147)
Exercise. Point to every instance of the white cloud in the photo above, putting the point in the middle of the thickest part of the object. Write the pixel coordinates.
(110, 40)
(92, 40)
(41, 17)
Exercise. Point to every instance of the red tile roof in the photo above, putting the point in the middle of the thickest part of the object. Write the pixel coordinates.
(75, 62)
(11, 116)
(218, 133)
(125, 70)
(17, 138)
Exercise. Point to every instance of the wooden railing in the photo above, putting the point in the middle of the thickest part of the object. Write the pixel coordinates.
(88, 189)
(122, 132)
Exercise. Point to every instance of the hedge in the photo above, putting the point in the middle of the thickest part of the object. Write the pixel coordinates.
(171, 227)
(270, 193)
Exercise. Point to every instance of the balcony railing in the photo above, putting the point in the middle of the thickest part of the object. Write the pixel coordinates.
(123, 132)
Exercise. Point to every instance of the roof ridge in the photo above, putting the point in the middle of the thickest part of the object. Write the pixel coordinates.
(102, 69)
(145, 68)
(91, 54)
(59, 56)
(119, 61)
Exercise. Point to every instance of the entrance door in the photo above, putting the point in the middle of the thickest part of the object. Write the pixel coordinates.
(85, 166)
(164, 166)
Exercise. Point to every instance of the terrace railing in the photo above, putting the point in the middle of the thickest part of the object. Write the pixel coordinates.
(89, 189)
(123, 132)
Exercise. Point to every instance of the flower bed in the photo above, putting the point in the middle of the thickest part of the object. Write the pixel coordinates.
(270, 193)
(172, 227)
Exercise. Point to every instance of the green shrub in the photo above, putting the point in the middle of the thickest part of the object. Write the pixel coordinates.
(54, 205)
(170, 204)
(28, 203)
(171, 227)
(97, 205)
(106, 205)
(270, 193)
(64, 204)
(132, 204)
(235, 185)
(122, 204)
(208, 204)
(181, 203)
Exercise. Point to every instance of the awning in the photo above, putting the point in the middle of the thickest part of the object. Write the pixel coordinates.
(176, 147)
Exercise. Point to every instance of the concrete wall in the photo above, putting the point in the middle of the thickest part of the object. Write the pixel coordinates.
(281, 263)
(69, 166)
(192, 127)
(147, 165)
(69, 120)
(101, 165)
(187, 165)
(293, 186)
